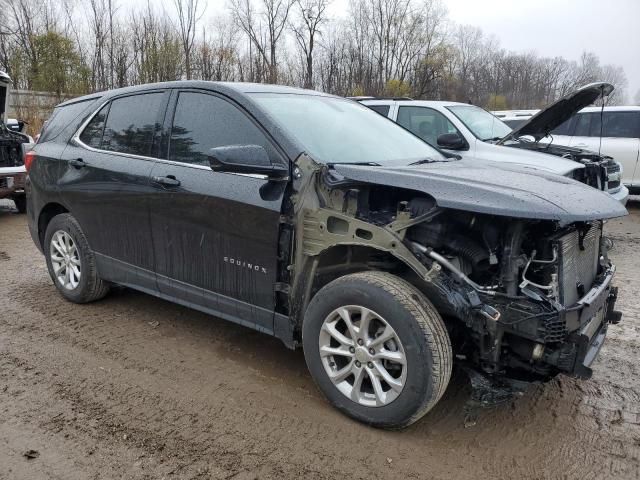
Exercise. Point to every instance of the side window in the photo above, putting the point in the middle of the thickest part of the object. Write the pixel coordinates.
(132, 122)
(564, 128)
(620, 124)
(426, 123)
(203, 121)
(92, 133)
(583, 121)
(62, 117)
(381, 109)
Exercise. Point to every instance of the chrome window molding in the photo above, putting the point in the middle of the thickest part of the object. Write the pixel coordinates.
(76, 139)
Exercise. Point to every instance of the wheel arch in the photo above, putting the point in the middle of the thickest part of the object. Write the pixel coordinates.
(47, 213)
(337, 261)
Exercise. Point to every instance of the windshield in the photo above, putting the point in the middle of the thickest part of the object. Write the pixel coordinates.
(335, 130)
(482, 124)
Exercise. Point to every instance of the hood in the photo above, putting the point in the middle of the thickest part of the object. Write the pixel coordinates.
(484, 188)
(542, 123)
(523, 158)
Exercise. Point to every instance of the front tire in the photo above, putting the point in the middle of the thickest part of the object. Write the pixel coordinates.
(71, 262)
(377, 349)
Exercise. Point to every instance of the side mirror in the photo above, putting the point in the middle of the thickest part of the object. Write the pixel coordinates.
(452, 141)
(245, 159)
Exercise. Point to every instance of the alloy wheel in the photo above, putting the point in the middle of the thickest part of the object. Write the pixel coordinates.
(363, 356)
(65, 260)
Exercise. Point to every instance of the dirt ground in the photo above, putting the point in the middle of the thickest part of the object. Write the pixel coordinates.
(136, 387)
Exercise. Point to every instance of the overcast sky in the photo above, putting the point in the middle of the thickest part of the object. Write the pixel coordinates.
(609, 28)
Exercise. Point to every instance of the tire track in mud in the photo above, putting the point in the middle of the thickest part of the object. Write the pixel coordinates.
(108, 393)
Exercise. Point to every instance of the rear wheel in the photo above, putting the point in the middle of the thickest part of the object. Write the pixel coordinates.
(70, 261)
(377, 349)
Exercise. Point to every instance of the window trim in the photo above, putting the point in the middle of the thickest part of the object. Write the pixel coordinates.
(76, 136)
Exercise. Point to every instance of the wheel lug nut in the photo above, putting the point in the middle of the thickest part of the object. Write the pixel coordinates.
(360, 342)
(370, 365)
(352, 350)
(358, 364)
(372, 351)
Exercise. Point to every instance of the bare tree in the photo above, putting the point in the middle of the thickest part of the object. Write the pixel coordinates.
(264, 28)
(218, 55)
(311, 14)
(189, 14)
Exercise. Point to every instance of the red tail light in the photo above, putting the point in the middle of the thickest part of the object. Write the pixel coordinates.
(29, 157)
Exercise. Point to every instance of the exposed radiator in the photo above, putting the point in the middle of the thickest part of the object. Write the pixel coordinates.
(578, 263)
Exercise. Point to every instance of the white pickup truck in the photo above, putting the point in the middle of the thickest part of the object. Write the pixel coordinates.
(12, 170)
(474, 133)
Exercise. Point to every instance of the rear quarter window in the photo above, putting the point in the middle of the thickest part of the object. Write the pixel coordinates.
(63, 117)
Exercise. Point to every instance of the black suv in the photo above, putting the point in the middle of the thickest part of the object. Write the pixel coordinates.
(314, 219)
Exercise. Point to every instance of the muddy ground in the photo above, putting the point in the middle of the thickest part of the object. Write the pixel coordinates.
(136, 387)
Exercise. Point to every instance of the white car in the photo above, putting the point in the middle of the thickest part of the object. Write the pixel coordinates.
(620, 137)
(515, 118)
(472, 132)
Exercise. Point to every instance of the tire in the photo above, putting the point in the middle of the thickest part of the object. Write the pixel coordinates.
(420, 335)
(21, 203)
(88, 287)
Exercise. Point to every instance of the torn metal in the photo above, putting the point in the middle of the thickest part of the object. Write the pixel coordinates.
(523, 282)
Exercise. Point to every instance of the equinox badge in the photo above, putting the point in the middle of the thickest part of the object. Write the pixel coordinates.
(247, 265)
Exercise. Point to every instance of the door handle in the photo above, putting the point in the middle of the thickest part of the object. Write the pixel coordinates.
(169, 181)
(77, 163)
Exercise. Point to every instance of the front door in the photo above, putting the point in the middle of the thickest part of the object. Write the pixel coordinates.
(215, 234)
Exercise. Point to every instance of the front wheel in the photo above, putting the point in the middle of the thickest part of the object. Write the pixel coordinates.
(71, 262)
(377, 349)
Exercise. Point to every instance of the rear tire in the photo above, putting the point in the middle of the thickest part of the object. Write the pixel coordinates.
(71, 262)
(21, 203)
(398, 379)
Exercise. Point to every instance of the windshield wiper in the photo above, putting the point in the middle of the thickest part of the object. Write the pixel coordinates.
(431, 160)
(492, 139)
(366, 164)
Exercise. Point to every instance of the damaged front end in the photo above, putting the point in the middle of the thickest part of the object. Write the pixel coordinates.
(524, 299)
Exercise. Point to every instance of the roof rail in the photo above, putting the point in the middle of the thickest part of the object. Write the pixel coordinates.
(359, 99)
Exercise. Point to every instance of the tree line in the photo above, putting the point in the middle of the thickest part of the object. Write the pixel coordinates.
(380, 47)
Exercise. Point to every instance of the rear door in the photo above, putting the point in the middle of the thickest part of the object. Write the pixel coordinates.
(620, 138)
(215, 234)
(105, 184)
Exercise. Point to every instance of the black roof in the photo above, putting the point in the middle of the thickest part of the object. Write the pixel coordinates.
(222, 87)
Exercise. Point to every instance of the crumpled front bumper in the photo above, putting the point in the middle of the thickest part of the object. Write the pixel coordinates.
(596, 310)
